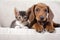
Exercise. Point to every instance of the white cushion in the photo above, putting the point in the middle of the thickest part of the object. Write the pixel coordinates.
(27, 34)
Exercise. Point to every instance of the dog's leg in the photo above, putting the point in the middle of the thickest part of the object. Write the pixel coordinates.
(50, 28)
(56, 24)
(37, 27)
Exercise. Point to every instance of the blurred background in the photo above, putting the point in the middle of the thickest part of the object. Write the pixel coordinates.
(7, 9)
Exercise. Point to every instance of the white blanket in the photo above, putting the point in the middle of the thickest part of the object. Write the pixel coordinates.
(27, 34)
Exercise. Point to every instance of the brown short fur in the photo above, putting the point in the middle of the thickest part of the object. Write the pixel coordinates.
(38, 10)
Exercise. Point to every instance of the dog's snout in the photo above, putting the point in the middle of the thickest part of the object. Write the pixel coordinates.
(41, 17)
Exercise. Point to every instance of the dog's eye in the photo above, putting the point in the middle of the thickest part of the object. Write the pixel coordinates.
(46, 10)
(37, 10)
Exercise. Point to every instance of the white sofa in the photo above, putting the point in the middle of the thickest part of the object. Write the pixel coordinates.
(7, 16)
(27, 34)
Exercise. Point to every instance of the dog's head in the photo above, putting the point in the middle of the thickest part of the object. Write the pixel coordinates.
(40, 12)
(20, 15)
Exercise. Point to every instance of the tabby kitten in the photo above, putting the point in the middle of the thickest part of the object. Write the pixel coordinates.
(21, 19)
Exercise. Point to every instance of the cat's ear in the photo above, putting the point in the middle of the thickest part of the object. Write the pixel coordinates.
(16, 12)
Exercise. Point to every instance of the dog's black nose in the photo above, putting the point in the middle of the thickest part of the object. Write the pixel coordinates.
(41, 17)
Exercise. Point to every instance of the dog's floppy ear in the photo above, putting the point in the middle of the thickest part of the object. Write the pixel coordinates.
(50, 14)
(31, 13)
(16, 12)
(28, 12)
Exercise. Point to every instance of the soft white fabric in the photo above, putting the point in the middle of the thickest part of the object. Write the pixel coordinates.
(27, 34)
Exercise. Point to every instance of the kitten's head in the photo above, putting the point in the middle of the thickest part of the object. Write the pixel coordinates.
(20, 15)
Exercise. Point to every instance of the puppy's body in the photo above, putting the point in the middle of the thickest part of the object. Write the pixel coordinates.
(21, 20)
(41, 17)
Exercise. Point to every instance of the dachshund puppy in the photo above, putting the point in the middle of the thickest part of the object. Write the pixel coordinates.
(41, 18)
(21, 19)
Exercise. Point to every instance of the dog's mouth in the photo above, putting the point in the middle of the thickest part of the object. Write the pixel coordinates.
(42, 20)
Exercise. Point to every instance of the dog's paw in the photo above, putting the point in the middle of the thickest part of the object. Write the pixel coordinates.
(38, 28)
(50, 29)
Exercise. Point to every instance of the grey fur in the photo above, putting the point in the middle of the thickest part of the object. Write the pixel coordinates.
(13, 24)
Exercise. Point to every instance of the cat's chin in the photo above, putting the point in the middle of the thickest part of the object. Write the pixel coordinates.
(25, 23)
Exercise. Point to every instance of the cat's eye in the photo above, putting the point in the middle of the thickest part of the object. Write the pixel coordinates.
(19, 17)
(15, 17)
